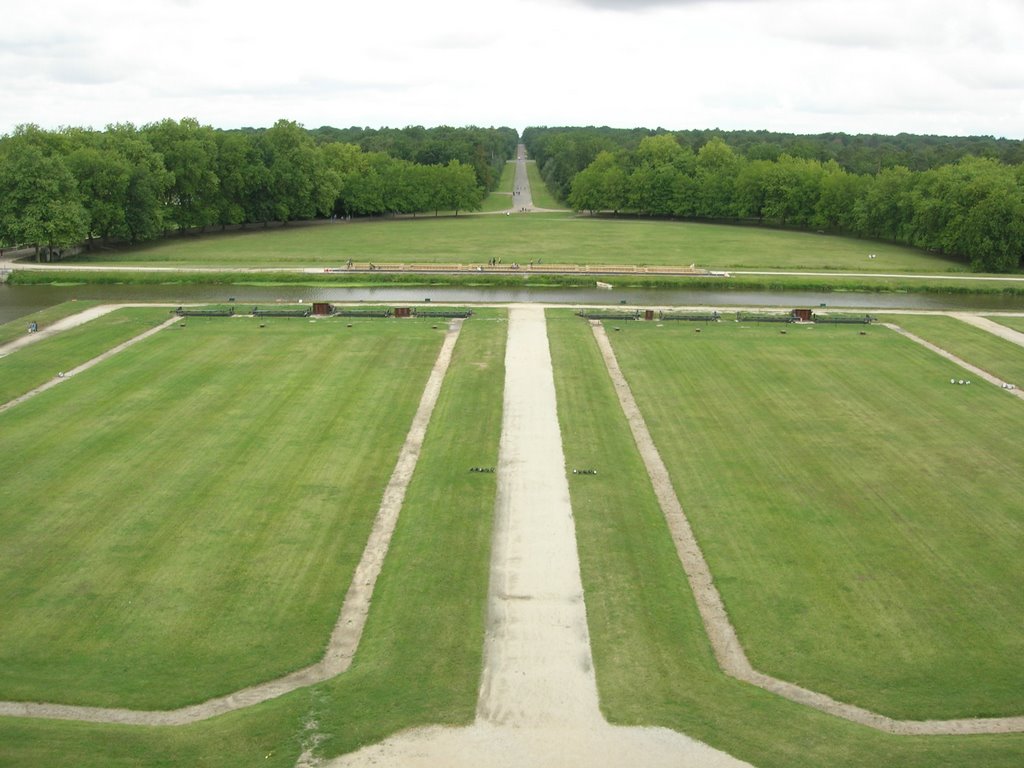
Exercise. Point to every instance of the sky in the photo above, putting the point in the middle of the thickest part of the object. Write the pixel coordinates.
(946, 67)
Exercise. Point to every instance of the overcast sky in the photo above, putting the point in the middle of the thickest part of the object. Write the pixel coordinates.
(803, 66)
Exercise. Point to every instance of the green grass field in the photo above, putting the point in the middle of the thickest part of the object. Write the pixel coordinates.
(552, 238)
(31, 366)
(17, 328)
(862, 517)
(542, 197)
(214, 485)
(419, 660)
(501, 198)
(987, 351)
(1017, 323)
(183, 520)
(652, 657)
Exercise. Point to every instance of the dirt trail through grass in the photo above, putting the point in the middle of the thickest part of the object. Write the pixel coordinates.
(991, 326)
(348, 629)
(64, 324)
(726, 644)
(65, 375)
(981, 374)
(538, 703)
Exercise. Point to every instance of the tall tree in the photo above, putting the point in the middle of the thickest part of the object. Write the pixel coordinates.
(39, 200)
(189, 151)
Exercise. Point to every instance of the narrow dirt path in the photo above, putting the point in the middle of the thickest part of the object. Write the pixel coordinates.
(991, 326)
(64, 324)
(88, 363)
(726, 644)
(348, 629)
(981, 374)
(538, 703)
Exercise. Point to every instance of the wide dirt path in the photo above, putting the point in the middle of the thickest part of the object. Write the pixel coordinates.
(538, 702)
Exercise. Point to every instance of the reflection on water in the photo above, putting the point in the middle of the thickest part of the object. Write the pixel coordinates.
(21, 300)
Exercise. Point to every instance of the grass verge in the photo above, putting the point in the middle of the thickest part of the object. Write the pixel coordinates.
(539, 192)
(501, 198)
(907, 284)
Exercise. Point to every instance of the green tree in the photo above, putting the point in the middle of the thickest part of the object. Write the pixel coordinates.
(461, 192)
(717, 169)
(792, 189)
(886, 207)
(148, 184)
(102, 177)
(189, 151)
(838, 198)
(601, 186)
(39, 200)
(301, 181)
(245, 184)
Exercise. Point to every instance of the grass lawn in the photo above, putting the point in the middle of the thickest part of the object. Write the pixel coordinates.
(539, 192)
(987, 351)
(653, 661)
(183, 520)
(17, 328)
(419, 660)
(862, 517)
(31, 366)
(501, 198)
(1017, 323)
(554, 238)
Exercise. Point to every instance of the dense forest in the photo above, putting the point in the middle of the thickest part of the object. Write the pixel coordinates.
(65, 187)
(962, 196)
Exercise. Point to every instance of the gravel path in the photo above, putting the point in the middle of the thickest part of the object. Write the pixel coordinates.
(348, 629)
(538, 703)
(726, 644)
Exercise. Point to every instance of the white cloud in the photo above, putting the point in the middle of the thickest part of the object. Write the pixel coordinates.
(924, 66)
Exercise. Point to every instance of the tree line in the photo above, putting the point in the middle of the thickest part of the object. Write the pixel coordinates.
(971, 208)
(563, 152)
(69, 186)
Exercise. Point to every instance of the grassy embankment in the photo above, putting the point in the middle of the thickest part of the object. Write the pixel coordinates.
(37, 363)
(808, 581)
(419, 661)
(15, 329)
